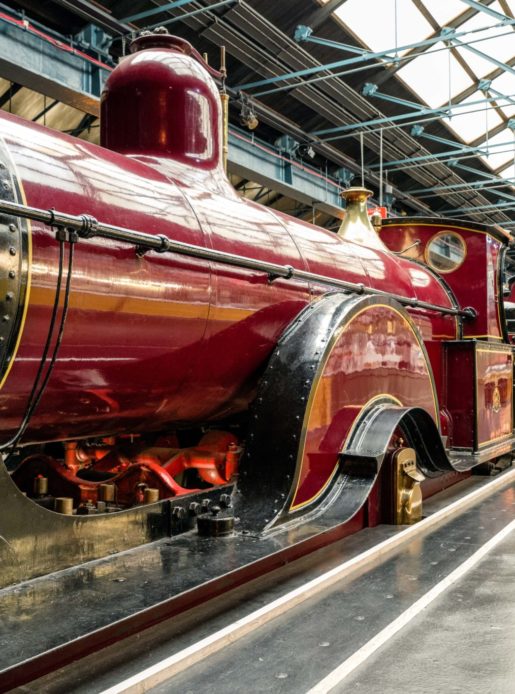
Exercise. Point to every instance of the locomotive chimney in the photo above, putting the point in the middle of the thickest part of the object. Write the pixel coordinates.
(356, 225)
(161, 105)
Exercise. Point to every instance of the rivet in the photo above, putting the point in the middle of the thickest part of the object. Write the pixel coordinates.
(6, 318)
(2, 339)
(12, 250)
(12, 274)
(12, 227)
(9, 296)
(6, 185)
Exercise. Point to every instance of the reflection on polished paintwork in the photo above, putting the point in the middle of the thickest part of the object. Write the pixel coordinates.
(494, 391)
(377, 355)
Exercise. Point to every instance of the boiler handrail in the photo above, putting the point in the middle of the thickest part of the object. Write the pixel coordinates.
(87, 226)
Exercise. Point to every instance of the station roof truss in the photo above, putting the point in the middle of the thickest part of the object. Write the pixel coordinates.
(414, 97)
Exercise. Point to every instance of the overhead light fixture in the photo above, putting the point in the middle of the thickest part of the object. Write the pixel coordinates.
(306, 150)
(248, 116)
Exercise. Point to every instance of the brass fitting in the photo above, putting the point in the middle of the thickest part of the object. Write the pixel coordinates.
(151, 495)
(406, 484)
(64, 504)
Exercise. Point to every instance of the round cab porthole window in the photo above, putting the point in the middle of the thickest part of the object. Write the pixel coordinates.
(446, 251)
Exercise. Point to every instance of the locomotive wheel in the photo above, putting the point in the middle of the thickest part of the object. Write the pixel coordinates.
(342, 356)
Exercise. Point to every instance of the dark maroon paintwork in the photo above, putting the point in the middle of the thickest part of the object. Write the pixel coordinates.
(476, 282)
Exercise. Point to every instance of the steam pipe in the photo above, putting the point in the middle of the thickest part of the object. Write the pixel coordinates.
(88, 227)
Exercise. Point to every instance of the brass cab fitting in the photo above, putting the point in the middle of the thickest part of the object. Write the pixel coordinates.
(406, 484)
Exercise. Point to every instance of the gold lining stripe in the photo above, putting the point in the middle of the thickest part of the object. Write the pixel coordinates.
(43, 296)
(474, 337)
(381, 396)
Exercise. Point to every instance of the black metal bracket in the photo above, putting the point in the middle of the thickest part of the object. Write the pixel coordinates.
(272, 276)
(66, 235)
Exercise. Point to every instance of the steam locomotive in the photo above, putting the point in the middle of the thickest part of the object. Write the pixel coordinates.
(172, 354)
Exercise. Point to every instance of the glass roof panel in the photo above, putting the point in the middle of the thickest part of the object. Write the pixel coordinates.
(482, 19)
(505, 84)
(498, 43)
(374, 22)
(444, 12)
(471, 122)
(501, 149)
(509, 172)
(420, 73)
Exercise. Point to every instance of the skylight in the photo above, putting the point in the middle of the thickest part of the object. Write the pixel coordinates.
(374, 22)
(444, 11)
(435, 76)
(500, 149)
(505, 84)
(474, 119)
(438, 74)
(509, 173)
(496, 44)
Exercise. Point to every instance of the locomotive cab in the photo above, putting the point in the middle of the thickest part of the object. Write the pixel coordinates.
(477, 368)
(469, 257)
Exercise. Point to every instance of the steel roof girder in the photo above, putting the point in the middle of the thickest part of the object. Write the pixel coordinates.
(28, 59)
(480, 7)
(499, 182)
(447, 34)
(250, 23)
(444, 110)
(498, 63)
(156, 10)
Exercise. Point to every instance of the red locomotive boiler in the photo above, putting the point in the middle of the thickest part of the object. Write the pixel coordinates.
(167, 346)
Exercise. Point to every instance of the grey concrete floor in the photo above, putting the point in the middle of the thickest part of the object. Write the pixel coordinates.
(461, 643)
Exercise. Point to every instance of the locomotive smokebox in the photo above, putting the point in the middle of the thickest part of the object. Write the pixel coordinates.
(161, 103)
